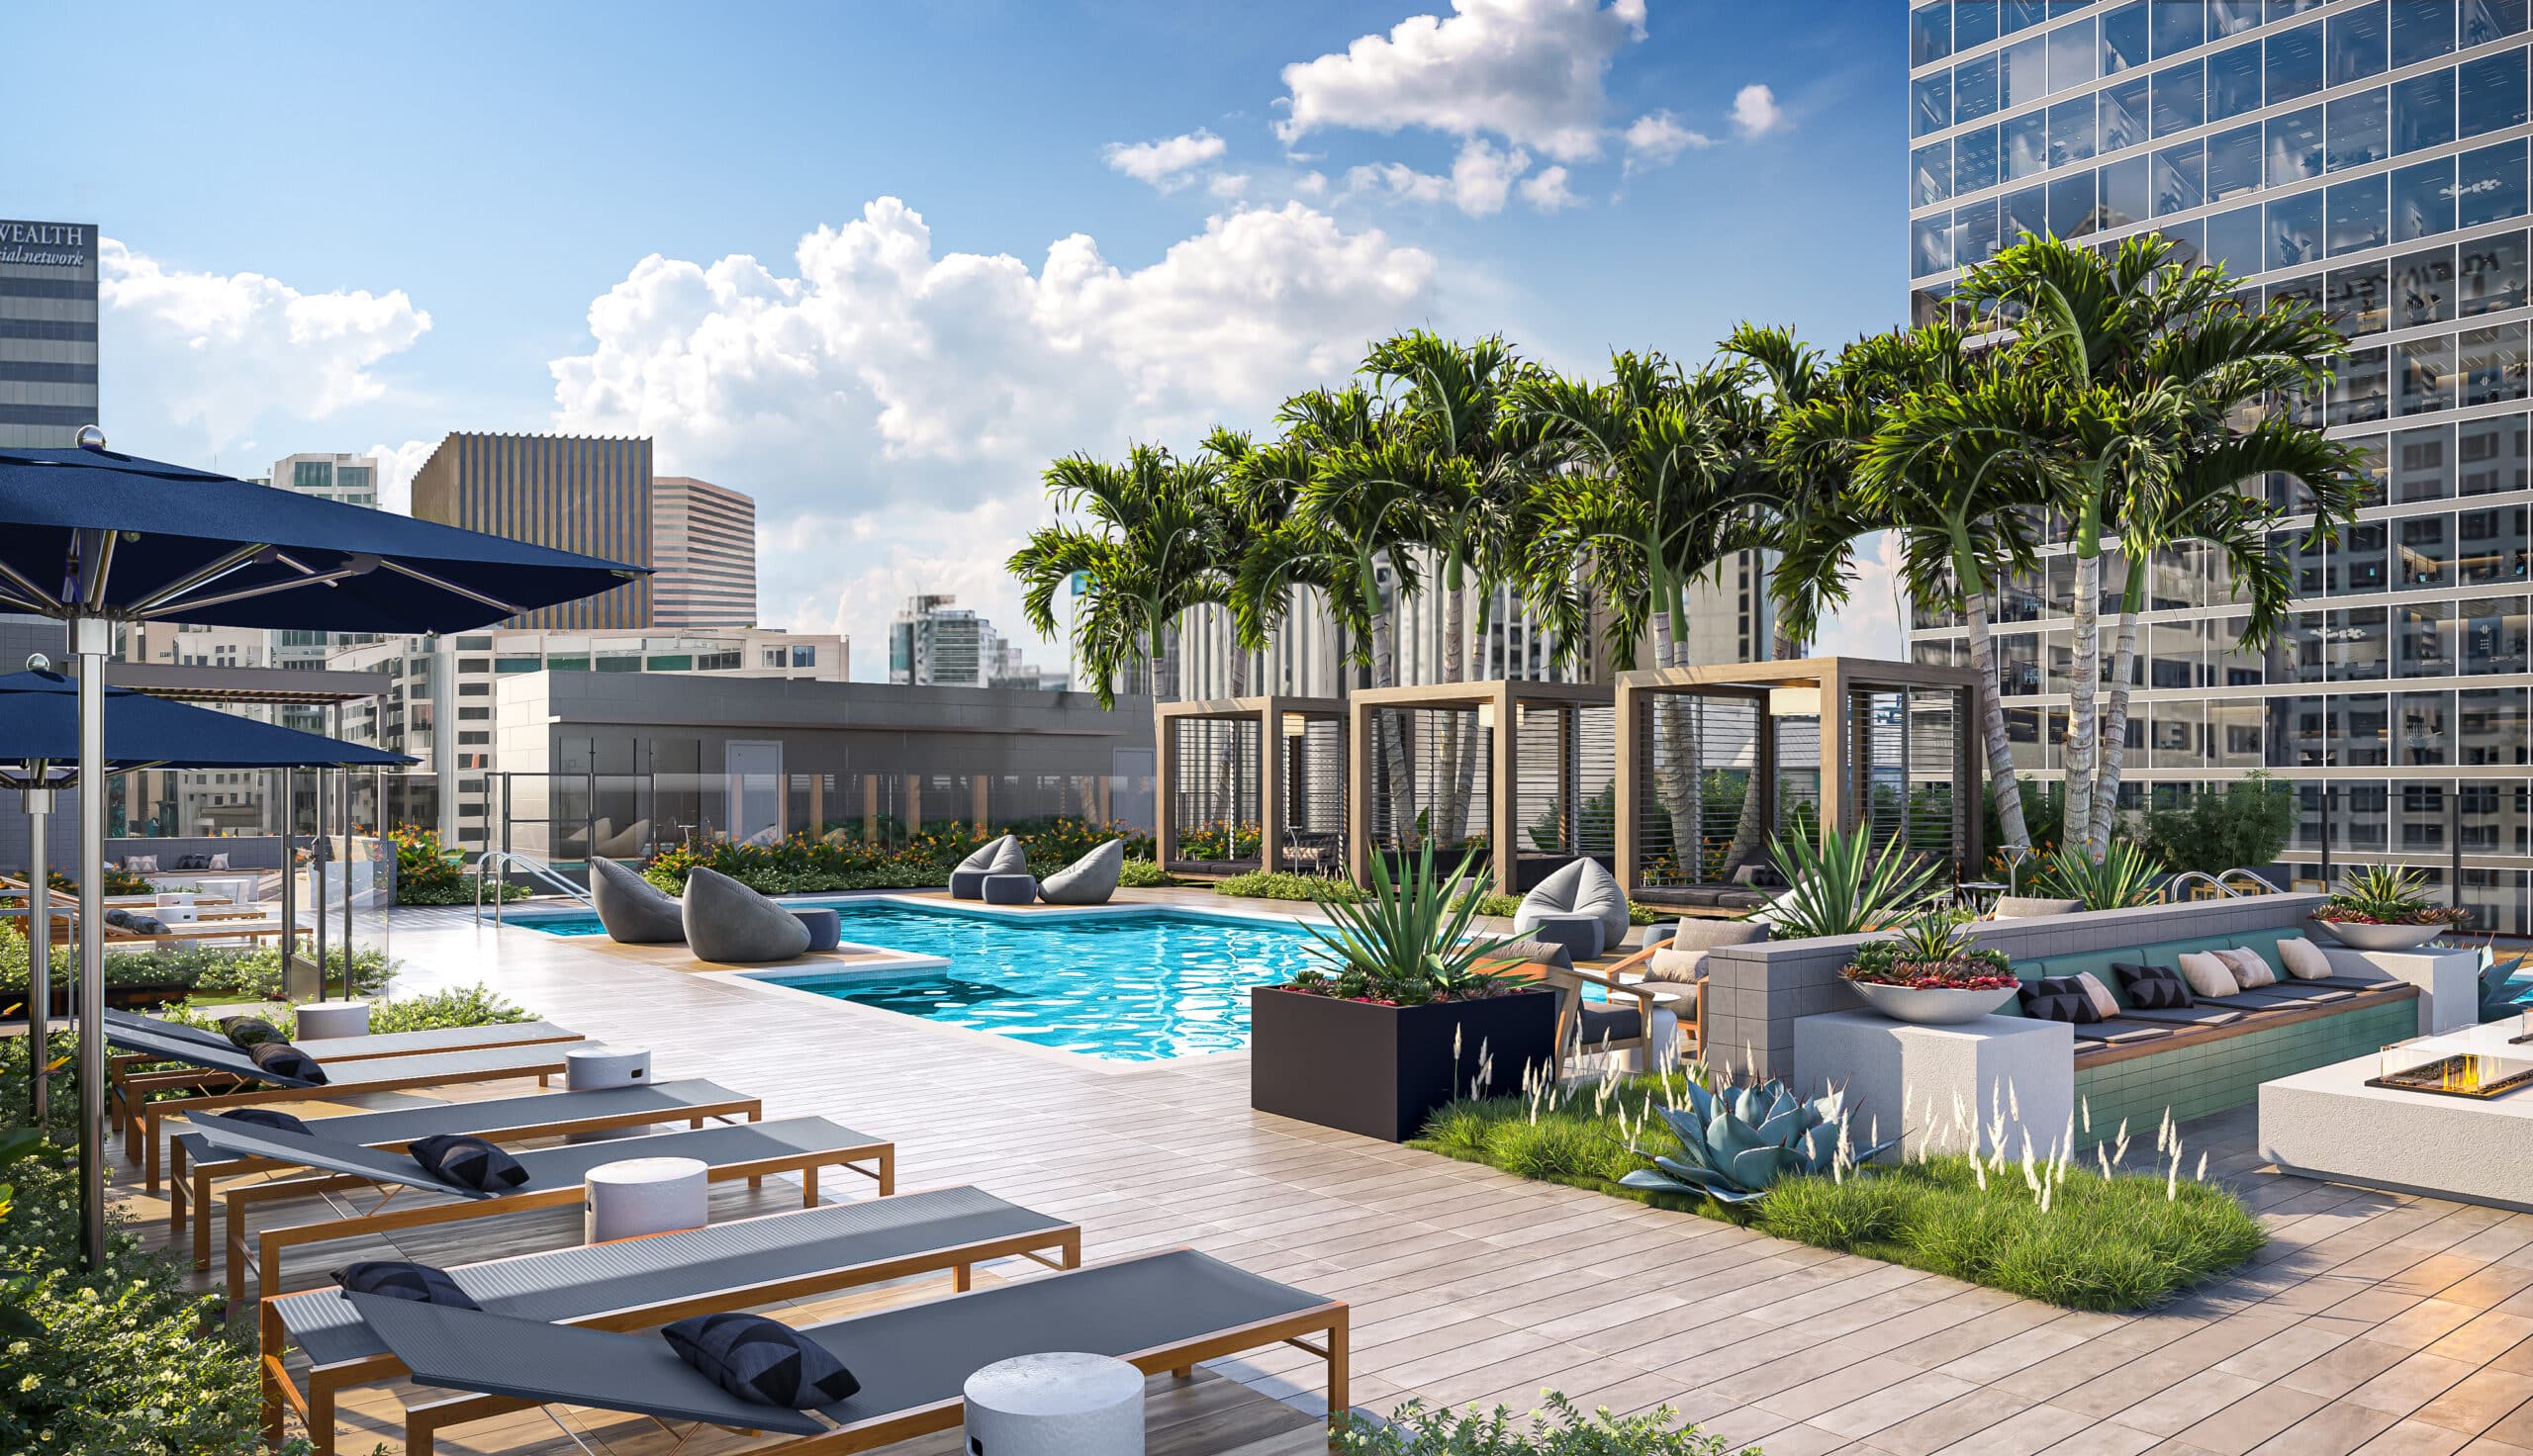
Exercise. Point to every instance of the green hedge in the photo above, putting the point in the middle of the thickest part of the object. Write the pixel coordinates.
(803, 865)
(1261, 885)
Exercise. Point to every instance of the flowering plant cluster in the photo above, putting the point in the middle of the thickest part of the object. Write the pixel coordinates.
(1931, 953)
(2388, 894)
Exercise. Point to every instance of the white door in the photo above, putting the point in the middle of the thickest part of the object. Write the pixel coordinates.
(755, 769)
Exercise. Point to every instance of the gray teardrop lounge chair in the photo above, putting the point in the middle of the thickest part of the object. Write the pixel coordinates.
(643, 1282)
(1579, 888)
(1160, 1312)
(635, 911)
(1003, 857)
(1088, 880)
(727, 922)
(555, 1178)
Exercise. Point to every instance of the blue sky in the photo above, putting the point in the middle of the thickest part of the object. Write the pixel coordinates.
(874, 264)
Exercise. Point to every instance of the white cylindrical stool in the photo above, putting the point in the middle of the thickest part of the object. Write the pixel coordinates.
(1056, 1405)
(320, 1020)
(594, 1068)
(645, 1195)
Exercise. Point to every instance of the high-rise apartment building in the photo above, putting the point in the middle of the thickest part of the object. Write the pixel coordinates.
(2368, 157)
(48, 332)
(569, 491)
(704, 542)
(351, 479)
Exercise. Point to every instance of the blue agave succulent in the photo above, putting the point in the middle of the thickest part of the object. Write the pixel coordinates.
(1737, 1142)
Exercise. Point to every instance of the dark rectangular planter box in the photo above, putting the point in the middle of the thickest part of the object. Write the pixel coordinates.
(1382, 1071)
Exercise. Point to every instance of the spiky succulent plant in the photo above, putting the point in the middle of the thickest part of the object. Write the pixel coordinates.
(1735, 1143)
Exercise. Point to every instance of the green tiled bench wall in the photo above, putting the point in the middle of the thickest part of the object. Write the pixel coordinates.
(2212, 1076)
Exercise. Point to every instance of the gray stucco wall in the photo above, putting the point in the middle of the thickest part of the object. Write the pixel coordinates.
(1758, 990)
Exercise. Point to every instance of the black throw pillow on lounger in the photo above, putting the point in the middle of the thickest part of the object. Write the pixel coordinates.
(285, 1060)
(2153, 987)
(469, 1160)
(397, 1280)
(2057, 998)
(247, 1033)
(757, 1359)
(265, 1117)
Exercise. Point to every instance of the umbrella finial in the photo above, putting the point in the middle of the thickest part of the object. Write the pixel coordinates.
(36, 662)
(92, 439)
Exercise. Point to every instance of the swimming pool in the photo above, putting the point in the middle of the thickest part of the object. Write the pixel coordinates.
(1145, 984)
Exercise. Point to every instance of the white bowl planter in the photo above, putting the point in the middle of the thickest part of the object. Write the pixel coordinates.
(1940, 1006)
(2362, 936)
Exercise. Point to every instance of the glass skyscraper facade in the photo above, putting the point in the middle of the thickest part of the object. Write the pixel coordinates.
(2369, 157)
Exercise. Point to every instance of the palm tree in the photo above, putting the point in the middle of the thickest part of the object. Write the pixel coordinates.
(2181, 355)
(1805, 491)
(1145, 559)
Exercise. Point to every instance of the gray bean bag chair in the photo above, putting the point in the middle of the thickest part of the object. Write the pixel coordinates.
(1582, 887)
(1003, 857)
(635, 911)
(1088, 880)
(726, 921)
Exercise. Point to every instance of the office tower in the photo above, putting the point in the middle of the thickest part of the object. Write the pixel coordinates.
(569, 491)
(351, 479)
(704, 542)
(48, 332)
(2370, 159)
(933, 643)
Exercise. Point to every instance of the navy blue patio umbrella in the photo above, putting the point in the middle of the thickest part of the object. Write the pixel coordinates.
(99, 539)
(40, 745)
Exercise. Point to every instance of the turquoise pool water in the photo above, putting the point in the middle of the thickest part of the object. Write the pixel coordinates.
(1140, 985)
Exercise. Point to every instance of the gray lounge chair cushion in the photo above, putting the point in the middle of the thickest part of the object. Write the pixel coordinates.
(2031, 907)
(1002, 857)
(463, 1158)
(1581, 887)
(267, 1116)
(635, 911)
(1088, 880)
(398, 1280)
(756, 1359)
(285, 1060)
(726, 921)
(250, 1032)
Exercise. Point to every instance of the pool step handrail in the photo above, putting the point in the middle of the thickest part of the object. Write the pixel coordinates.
(534, 869)
(2219, 881)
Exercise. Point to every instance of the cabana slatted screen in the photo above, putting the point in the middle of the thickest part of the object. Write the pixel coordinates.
(1216, 798)
(1704, 753)
(1905, 740)
(1314, 750)
(1443, 793)
(1567, 783)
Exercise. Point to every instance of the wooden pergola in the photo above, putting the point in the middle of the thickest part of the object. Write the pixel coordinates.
(1838, 740)
(1274, 763)
(1549, 765)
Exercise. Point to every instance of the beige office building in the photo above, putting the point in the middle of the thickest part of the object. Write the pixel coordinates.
(573, 492)
(704, 540)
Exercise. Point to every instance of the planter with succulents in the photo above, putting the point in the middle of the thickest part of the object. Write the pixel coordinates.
(1932, 974)
(2385, 908)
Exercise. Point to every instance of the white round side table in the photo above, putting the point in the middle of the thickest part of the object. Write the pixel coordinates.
(1061, 1403)
(645, 1195)
(319, 1021)
(594, 1068)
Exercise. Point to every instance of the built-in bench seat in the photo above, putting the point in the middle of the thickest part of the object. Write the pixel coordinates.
(2138, 1031)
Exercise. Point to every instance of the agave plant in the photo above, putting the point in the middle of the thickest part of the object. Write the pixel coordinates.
(2123, 876)
(1409, 942)
(1845, 886)
(2388, 894)
(1737, 1144)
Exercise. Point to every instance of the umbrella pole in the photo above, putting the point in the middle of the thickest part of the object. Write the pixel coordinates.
(90, 639)
(38, 807)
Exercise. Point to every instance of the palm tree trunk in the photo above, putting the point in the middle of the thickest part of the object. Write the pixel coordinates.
(1750, 833)
(1464, 788)
(2115, 727)
(2084, 722)
(2002, 785)
(1675, 773)
(1227, 774)
(1392, 725)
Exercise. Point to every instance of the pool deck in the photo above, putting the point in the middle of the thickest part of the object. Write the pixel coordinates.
(2372, 1322)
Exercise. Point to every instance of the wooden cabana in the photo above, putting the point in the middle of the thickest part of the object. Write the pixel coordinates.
(1250, 783)
(1715, 759)
(1524, 770)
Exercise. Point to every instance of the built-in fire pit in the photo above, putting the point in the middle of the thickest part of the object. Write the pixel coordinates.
(2460, 1074)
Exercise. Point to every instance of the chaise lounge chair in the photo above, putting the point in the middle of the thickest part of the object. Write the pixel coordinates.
(1002, 857)
(641, 1282)
(1088, 880)
(555, 1175)
(143, 1121)
(1158, 1311)
(194, 1164)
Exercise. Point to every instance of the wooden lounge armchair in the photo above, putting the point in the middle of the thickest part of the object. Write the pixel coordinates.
(642, 1283)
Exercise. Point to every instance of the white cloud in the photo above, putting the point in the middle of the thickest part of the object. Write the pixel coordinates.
(1310, 184)
(1755, 113)
(1527, 71)
(1226, 185)
(1481, 177)
(1656, 139)
(892, 406)
(1167, 163)
(1399, 180)
(396, 467)
(223, 358)
(1870, 625)
(1548, 191)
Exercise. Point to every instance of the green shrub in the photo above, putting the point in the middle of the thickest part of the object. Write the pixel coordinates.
(470, 1006)
(840, 860)
(212, 969)
(1143, 875)
(2127, 1241)
(2245, 822)
(1260, 884)
(1504, 907)
(1419, 1429)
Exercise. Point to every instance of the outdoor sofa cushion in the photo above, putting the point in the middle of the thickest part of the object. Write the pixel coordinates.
(2029, 907)
(2153, 987)
(2208, 973)
(1581, 887)
(2303, 959)
(2250, 972)
(399, 1280)
(2104, 1005)
(756, 1359)
(2057, 998)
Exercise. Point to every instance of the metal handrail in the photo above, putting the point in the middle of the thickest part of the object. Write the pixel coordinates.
(2266, 885)
(534, 869)
(2217, 882)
